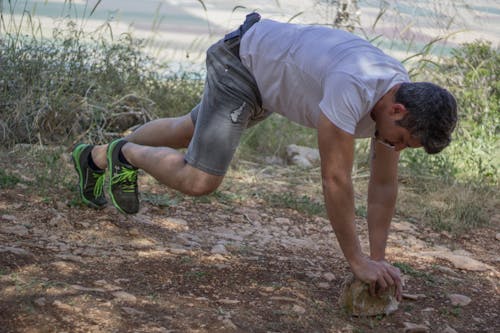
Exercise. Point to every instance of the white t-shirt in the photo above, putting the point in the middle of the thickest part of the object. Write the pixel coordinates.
(304, 70)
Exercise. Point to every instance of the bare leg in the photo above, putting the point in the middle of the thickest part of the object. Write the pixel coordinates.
(167, 165)
(152, 148)
(164, 132)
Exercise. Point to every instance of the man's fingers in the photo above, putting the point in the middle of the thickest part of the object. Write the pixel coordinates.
(399, 292)
(372, 288)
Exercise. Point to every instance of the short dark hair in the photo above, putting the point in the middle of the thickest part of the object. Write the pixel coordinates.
(432, 114)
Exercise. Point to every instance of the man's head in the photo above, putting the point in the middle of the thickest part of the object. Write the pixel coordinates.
(418, 114)
(431, 116)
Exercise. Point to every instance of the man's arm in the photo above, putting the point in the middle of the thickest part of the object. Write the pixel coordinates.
(337, 155)
(382, 193)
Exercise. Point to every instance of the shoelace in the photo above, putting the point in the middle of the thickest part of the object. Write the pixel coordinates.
(127, 179)
(99, 184)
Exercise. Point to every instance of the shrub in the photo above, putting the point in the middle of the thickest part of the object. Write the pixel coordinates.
(472, 74)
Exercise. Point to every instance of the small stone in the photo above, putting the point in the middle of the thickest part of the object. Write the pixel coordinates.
(355, 298)
(62, 306)
(82, 288)
(219, 249)
(41, 301)
(132, 311)
(329, 277)
(298, 309)
(107, 286)
(133, 232)
(176, 250)
(414, 297)
(229, 324)
(448, 329)
(324, 285)
(228, 301)
(16, 251)
(70, 257)
(446, 270)
(459, 300)
(124, 296)
(18, 230)
(498, 236)
(302, 156)
(415, 328)
(8, 217)
(282, 220)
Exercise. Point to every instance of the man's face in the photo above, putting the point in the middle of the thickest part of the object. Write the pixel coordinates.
(395, 137)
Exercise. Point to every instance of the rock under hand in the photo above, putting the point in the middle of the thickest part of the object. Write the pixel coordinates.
(355, 298)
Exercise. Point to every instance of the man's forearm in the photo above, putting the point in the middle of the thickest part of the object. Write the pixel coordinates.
(339, 201)
(381, 203)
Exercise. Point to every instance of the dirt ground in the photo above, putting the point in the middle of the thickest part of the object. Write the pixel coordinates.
(234, 261)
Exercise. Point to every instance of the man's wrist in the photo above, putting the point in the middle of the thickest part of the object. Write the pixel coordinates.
(356, 260)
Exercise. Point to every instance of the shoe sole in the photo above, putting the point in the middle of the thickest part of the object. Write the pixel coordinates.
(109, 157)
(75, 157)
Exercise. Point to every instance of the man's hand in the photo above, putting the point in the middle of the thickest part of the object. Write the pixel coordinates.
(379, 274)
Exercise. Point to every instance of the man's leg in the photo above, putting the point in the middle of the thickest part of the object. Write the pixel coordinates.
(164, 132)
(168, 166)
(152, 148)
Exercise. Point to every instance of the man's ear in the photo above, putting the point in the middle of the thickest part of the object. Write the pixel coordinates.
(398, 111)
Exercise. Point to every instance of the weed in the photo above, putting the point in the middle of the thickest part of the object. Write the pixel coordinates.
(408, 270)
(361, 210)
(160, 200)
(196, 275)
(303, 204)
(7, 180)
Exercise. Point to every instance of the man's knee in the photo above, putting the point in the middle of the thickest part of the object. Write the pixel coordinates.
(202, 184)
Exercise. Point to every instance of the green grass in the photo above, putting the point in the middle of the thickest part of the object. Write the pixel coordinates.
(7, 180)
(303, 204)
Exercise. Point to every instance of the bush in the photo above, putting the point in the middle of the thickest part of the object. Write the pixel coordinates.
(472, 74)
(77, 85)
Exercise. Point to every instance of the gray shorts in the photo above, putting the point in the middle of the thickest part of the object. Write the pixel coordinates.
(231, 102)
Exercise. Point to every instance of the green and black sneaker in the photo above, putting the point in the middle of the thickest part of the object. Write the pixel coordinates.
(122, 185)
(90, 181)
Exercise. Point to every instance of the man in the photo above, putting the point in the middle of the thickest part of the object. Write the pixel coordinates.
(323, 78)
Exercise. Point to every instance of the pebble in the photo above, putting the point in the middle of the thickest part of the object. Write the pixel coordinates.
(41, 301)
(459, 300)
(228, 301)
(324, 285)
(175, 250)
(8, 217)
(16, 250)
(81, 288)
(132, 311)
(124, 296)
(446, 270)
(18, 230)
(329, 277)
(282, 220)
(229, 324)
(219, 249)
(414, 297)
(298, 309)
(415, 328)
(109, 287)
(448, 329)
(498, 236)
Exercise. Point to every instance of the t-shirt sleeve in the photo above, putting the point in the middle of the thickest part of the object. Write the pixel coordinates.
(343, 101)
